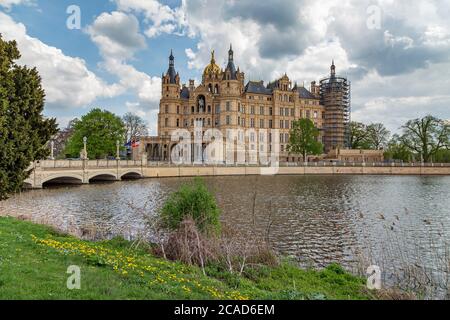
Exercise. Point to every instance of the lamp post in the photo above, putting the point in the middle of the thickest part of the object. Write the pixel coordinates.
(84, 148)
(118, 150)
(52, 147)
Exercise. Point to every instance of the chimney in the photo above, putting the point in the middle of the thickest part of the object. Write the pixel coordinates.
(314, 88)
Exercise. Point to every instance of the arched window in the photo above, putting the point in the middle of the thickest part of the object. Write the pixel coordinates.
(216, 89)
(210, 88)
(193, 109)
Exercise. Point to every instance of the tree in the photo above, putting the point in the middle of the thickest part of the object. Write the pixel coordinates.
(304, 139)
(135, 126)
(426, 136)
(396, 150)
(358, 135)
(377, 136)
(62, 137)
(23, 129)
(102, 129)
(442, 156)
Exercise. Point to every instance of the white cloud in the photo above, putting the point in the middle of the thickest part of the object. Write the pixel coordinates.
(159, 18)
(118, 38)
(117, 35)
(7, 4)
(67, 80)
(398, 72)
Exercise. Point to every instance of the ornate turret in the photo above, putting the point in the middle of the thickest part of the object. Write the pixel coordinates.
(171, 77)
(230, 71)
(212, 68)
(171, 72)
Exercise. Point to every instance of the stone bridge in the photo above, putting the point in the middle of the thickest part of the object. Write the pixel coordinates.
(86, 171)
(82, 171)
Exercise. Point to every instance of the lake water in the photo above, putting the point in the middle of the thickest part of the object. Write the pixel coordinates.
(401, 224)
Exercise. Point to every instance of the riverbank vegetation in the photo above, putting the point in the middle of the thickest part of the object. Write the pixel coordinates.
(34, 260)
(426, 139)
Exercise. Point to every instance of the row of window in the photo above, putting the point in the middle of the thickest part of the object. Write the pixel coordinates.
(262, 110)
(284, 98)
(284, 124)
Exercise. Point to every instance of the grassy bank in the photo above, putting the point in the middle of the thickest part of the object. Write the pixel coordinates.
(34, 261)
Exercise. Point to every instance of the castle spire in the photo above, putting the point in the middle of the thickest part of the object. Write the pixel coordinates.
(230, 53)
(171, 59)
(333, 69)
(171, 71)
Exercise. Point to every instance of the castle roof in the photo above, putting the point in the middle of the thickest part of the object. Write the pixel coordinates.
(257, 87)
(185, 94)
(305, 93)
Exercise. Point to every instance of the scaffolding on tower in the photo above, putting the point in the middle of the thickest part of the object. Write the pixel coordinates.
(335, 95)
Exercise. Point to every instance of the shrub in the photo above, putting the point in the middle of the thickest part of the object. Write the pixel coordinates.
(192, 201)
(189, 246)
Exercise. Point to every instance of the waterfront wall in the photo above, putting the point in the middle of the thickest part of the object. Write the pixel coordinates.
(155, 172)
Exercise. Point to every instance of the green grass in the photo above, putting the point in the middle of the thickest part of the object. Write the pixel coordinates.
(34, 261)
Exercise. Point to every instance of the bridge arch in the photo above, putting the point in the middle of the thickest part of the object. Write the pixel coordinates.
(103, 176)
(131, 175)
(63, 178)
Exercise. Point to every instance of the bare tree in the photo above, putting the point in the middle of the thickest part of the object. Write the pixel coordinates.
(135, 126)
(377, 136)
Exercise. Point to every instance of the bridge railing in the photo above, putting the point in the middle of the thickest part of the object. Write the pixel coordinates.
(308, 164)
(78, 164)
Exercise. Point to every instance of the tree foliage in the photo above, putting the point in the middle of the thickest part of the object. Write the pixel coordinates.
(192, 201)
(396, 150)
(135, 126)
(62, 137)
(23, 129)
(358, 135)
(102, 129)
(426, 136)
(304, 139)
(377, 136)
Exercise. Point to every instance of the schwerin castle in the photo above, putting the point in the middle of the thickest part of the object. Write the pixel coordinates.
(225, 103)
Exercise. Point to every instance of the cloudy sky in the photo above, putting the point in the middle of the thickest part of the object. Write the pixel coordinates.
(395, 52)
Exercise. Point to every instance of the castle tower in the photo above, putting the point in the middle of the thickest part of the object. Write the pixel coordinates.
(233, 79)
(335, 95)
(169, 106)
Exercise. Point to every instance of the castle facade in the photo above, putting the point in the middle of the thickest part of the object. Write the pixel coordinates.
(223, 101)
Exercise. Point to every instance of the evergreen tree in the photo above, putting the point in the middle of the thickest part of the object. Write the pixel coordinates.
(23, 129)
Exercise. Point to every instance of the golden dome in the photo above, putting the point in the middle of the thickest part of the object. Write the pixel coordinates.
(212, 68)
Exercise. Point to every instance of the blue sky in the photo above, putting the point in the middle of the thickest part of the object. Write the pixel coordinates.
(395, 53)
